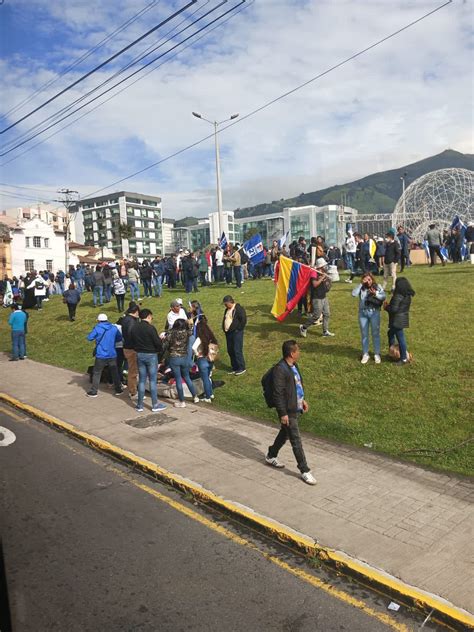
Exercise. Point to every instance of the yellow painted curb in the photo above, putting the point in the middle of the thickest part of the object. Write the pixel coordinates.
(343, 562)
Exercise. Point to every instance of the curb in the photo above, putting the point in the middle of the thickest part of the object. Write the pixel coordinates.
(411, 596)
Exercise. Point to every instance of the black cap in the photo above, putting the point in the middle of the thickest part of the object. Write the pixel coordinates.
(228, 299)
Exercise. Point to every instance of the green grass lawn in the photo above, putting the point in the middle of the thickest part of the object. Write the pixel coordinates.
(427, 405)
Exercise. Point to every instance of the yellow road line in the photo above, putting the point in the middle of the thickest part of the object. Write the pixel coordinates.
(272, 528)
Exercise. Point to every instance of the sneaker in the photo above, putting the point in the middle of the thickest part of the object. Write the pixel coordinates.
(230, 372)
(91, 394)
(308, 478)
(206, 400)
(119, 392)
(180, 404)
(303, 331)
(377, 359)
(196, 399)
(158, 408)
(274, 462)
(399, 363)
(328, 334)
(348, 280)
(139, 409)
(365, 358)
(133, 396)
(240, 372)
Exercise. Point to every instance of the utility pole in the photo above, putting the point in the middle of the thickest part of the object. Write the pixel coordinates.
(69, 199)
(402, 178)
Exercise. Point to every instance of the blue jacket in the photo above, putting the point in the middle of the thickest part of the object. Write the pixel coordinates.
(105, 335)
(17, 320)
(72, 296)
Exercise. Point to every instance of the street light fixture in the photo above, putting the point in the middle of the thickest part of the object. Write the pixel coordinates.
(216, 124)
(402, 178)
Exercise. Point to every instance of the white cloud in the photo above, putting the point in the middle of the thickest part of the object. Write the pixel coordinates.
(407, 99)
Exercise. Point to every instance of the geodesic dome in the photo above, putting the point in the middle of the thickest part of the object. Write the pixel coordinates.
(436, 198)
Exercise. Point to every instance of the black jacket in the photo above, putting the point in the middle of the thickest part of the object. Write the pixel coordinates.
(239, 321)
(128, 323)
(392, 252)
(398, 310)
(284, 389)
(145, 339)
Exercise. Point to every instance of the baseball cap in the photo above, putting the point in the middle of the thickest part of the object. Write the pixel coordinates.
(102, 318)
(320, 263)
(176, 303)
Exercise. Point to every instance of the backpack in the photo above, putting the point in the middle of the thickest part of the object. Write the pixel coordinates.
(267, 385)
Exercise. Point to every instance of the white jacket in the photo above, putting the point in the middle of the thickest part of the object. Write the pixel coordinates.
(40, 286)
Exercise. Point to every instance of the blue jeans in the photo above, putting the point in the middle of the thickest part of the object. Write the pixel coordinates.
(350, 261)
(98, 293)
(108, 293)
(134, 290)
(18, 344)
(205, 368)
(399, 334)
(370, 318)
(188, 284)
(180, 367)
(157, 284)
(80, 285)
(147, 286)
(147, 367)
(235, 349)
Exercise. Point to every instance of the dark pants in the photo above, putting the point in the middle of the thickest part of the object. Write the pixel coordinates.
(399, 334)
(71, 308)
(404, 261)
(291, 432)
(219, 274)
(171, 279)
(18, 344)
(120, 298)
(228, 275)
(238, 275)
(99, 366)
(188, 283)
(39, 302)
(147, 286)
(235, 349)
(202, 278)
(436, 250)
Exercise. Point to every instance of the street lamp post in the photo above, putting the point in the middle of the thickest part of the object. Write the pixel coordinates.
(215, 124)
(69, 200)
(402, 178)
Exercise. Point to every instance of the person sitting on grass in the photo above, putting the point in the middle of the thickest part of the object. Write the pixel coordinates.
(398, 311)
(72, 298)
(320, 287)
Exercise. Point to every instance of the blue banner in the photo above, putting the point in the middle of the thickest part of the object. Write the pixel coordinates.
(254, 249)
(223, 242)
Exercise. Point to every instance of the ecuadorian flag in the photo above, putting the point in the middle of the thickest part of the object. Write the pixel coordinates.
(292, 280)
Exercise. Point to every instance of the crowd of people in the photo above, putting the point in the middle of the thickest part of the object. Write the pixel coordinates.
(180, 354)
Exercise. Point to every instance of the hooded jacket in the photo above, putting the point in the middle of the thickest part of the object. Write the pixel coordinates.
(105, 335)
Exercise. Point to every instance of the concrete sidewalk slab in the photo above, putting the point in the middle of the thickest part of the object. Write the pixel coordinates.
(412, 523)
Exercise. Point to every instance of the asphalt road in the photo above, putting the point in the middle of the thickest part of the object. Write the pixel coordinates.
(86, 549)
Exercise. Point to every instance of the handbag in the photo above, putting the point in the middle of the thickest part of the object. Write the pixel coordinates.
(94, 350)
(212, 351)
(373, 302)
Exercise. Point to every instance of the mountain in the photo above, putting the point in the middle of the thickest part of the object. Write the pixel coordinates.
(187, 221)
(377, 193)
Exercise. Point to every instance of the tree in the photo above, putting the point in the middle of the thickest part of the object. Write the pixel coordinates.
(250, 233)
(126, 231)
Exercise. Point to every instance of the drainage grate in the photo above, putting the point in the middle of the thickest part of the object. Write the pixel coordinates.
(150, 420)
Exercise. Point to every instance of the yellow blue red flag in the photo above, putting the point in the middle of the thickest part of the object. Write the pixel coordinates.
(292, 280)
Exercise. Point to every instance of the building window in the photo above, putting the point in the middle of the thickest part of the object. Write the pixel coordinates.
(27, 242)
(46, 242)
(37, 242)
(49, 265)
(29, 265)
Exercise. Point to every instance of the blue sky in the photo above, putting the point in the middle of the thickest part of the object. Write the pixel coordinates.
(405, 100)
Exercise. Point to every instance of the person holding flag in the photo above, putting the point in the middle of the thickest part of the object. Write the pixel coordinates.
(435, 241)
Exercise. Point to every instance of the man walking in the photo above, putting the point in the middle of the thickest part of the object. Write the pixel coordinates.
(17, 321)
(233, 324)
(128, 323)
(106, 336)
(289, 401)
(147, 345)
(392, 257)
(434, 239)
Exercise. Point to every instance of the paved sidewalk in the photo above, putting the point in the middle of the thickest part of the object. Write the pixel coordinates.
(411, 523)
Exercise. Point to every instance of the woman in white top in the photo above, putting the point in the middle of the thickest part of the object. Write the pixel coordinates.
(39, 286)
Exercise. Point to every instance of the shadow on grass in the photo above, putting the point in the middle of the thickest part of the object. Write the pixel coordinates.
(238, 446)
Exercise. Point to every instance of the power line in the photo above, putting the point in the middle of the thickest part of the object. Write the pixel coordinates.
(273, 101)
(17, 186)
(82, 58)
(21, 197)
(15, 144)
(205, 34)
(104, 63)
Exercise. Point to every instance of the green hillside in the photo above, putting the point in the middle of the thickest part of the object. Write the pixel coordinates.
(378, 192)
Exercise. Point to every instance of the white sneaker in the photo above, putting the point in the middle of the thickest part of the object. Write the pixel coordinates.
(196, 399)
(206, 400)
(365, 358)
(377, 359)
(348, 280)
(303, 331)
(179, 404)
(308, 478)
(328, 334)
(274, 462)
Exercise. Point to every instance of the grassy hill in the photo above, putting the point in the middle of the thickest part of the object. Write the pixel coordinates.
(378, 192)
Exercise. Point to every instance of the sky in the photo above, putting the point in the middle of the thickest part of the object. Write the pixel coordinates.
(407, 99)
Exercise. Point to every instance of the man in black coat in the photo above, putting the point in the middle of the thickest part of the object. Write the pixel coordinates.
(288, 397)
(233, 325)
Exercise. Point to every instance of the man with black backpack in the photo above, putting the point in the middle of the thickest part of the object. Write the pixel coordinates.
(283, 390)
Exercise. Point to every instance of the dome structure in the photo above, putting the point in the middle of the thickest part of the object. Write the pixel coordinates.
(436, 197)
